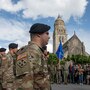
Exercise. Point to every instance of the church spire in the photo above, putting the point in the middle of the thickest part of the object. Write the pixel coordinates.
(59, 16)
(59, 33)
(74, 33)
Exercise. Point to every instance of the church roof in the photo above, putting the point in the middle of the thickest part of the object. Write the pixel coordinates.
(74, 36)
(87, 54)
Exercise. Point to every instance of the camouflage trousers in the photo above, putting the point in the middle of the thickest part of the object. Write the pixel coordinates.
(58, 76)
(65, 76)
(52, 77)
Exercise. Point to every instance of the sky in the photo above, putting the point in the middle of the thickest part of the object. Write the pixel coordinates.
(17, 16)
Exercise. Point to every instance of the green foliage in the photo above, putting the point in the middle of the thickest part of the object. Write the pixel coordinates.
(52, 58)
(68, 58)
(82, 59)
(62, 62)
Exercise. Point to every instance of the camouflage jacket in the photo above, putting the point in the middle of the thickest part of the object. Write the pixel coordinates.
(40, 68)
(3, 62)
(35, 70)
(9, 73)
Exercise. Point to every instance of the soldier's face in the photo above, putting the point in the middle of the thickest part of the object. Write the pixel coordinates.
(15, 50)
(45, 38)
(2, 53)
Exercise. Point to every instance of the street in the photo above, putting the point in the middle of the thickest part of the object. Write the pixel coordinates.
(70, 87)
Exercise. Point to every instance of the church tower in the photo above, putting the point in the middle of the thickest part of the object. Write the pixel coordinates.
(59, 33)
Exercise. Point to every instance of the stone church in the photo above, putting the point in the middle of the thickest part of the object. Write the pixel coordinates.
(73, 46)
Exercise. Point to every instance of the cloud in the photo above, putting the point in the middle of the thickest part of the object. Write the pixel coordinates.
(17, 31)
(46, 8)
(50, 43)
(8, 6)
(13, 31)
(52, 8)
(50, 47)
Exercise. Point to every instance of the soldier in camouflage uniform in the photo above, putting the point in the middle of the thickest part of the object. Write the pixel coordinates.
(52, 72)
(66, 72)
(31, 65)
(58, 73)
(2, 60)
(8, 77)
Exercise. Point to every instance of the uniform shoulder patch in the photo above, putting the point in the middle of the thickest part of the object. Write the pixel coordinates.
(20, 56)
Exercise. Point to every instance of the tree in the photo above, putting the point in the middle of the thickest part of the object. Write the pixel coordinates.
(52, 58)
(81, 59)
(68, 58)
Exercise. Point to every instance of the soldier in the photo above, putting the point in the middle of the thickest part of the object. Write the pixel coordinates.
(8, 77)
(2, 60)
(52, 73)
(66, 72)
(39, 38)
(58, 73)
(31, 64)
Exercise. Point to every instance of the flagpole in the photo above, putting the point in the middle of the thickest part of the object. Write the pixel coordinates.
(59, 63)
(59, 60)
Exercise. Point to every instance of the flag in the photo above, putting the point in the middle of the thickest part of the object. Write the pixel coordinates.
(59, 52)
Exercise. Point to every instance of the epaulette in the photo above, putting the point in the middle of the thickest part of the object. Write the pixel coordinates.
(22, 49)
